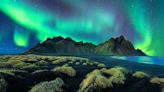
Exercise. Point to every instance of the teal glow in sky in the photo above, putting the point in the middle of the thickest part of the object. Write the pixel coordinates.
(94, 21)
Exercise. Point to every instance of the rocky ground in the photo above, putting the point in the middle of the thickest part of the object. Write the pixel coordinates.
(22, 73)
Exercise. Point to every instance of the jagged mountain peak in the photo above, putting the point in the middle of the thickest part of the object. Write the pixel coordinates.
(58, 38)
(68, 39)
(116, 46)
(67, 46)
(120, 39)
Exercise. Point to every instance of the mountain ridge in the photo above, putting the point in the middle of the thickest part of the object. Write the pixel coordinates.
(66, 46)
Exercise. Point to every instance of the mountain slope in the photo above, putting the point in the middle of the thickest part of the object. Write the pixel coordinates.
(61, 46)
(67, 46)
(117, 46)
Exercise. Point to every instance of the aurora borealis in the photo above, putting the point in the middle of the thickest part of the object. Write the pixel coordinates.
(24, 23)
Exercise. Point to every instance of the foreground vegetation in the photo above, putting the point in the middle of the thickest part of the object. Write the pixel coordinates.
(21, 73)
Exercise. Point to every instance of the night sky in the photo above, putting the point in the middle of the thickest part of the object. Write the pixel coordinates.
(24, 23)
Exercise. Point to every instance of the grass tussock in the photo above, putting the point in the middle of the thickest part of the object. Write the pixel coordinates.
(40, 71)
(66, 70)
(114, 70)
(72, 61)
(61, 60)
(140, 74)
(16, 59)
(97, 80)
(51, 86)
(101, 65)
(118, 78)
(12, 71)
(5, 65)
(85, 64)
(77, 63)
(41, 63)
(21, 65)
(31, 67)
(3, 85)
(117, 74)
(157, 80)
(93, 81)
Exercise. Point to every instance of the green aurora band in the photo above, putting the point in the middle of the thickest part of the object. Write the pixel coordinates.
(34, 19)
(141, 21)
(26, 16)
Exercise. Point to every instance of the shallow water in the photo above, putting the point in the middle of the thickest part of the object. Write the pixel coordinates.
(150, 65)
(142, 59)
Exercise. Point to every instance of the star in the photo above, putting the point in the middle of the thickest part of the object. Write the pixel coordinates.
(132, 6)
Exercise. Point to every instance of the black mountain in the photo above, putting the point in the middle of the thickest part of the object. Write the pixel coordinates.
(67, 46)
